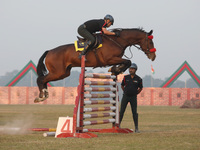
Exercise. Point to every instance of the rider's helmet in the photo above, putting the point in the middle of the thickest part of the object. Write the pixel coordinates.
(109, 17)
(133, 65)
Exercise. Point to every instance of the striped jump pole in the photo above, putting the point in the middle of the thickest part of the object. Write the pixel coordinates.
(43, 129)
(91, 94)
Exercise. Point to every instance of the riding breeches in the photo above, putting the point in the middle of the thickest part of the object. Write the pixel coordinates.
(86, 34)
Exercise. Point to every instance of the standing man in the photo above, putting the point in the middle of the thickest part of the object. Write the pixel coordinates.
(131, 86)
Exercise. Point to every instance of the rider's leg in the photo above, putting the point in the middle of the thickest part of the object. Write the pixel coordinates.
(86, 34)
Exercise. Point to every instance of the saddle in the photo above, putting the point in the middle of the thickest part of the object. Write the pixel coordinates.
(80, 43)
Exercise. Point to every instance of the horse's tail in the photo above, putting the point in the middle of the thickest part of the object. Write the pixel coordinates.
(41, 69)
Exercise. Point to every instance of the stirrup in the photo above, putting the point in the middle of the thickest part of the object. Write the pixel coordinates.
(80, 56)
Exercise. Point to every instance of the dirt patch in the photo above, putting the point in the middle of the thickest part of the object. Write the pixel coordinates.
(193, 103)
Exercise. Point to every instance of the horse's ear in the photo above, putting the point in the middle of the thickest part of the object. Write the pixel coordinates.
(150, 33)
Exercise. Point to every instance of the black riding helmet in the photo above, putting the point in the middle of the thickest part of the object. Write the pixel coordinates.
(109, 17)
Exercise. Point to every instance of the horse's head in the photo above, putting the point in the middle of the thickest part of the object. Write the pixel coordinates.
(147, 46)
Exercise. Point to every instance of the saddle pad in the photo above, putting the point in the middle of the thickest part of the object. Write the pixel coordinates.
(79, 45)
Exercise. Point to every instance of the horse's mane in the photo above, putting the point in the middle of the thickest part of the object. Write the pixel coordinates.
(125, 29)
(128, 29)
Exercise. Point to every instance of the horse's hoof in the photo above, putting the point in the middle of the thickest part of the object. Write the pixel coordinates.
(38, 99)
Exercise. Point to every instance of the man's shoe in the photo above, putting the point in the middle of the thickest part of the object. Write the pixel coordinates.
(137, 131)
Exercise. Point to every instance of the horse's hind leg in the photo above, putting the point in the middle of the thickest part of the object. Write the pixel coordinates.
(42, 83)
(43, 95)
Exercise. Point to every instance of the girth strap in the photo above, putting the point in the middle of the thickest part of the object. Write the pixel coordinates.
(97, 58)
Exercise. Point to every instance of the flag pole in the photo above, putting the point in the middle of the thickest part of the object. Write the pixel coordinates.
(185, 83)
(152, 72)
(31, 78)
(151, 80)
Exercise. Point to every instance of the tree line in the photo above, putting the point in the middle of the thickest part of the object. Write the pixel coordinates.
(73, 80)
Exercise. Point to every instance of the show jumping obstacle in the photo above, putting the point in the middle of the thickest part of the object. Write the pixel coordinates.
(95, 93)
(43, 129)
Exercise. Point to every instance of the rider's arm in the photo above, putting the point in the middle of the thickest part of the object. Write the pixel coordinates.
(105, 31)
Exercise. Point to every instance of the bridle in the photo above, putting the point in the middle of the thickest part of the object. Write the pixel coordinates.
(147, 51)
(146, 41)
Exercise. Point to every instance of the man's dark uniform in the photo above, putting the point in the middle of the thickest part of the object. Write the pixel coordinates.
(131, 86)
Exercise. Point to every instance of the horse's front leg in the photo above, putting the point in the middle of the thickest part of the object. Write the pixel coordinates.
(122, 66)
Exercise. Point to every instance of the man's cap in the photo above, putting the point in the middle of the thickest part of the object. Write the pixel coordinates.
(133, 65)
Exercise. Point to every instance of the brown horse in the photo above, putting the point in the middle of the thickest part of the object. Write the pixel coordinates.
(60, 60)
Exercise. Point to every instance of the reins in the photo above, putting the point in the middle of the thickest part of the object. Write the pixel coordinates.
(130, 52)
(113, 41)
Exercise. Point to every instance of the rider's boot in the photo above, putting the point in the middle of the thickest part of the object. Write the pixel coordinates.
(86, 48)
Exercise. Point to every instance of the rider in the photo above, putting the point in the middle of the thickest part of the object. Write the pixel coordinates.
(87, 29)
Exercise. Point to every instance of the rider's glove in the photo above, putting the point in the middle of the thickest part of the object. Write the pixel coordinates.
(117, 33)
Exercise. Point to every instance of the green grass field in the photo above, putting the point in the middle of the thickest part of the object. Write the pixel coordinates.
(161, 128)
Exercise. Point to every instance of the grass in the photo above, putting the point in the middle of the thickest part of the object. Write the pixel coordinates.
(161, 127)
